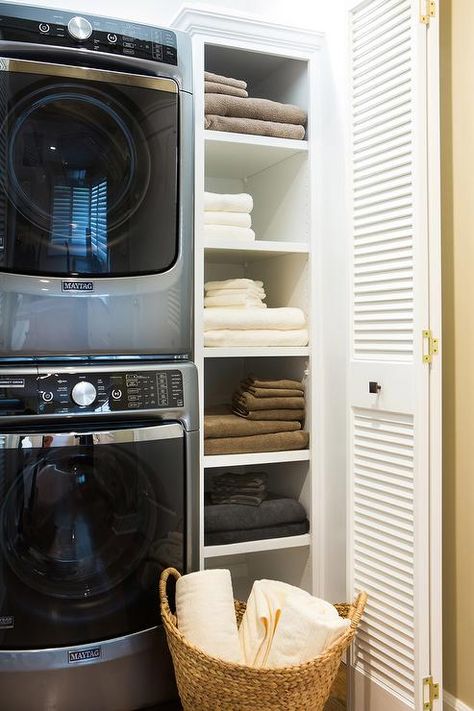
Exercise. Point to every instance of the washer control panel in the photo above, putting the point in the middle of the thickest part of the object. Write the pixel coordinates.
(57, 393)
(65, 29)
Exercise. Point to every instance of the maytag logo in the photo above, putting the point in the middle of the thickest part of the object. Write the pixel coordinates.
(77, 285)
(7, 622)
(84, 655)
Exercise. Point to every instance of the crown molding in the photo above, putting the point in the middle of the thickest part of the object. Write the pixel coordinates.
(205, 19)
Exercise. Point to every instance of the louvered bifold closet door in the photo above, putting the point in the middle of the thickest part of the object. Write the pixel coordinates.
(389, 435)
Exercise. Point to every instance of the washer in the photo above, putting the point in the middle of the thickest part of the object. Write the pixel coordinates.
(98, 493)
(96, 186)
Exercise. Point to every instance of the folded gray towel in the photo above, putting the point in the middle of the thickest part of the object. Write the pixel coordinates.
(254, 127)
(261, 109)
(220, 79)
(212, 87)
(271, 512)
(220, 538)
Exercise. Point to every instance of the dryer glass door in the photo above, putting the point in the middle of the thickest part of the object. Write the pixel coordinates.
(87, 522)
(88, 171)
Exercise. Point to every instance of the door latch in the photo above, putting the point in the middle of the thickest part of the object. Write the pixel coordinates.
(374, 387)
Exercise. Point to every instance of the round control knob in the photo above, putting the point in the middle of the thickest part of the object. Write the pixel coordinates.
(84, 393)
(79, 28)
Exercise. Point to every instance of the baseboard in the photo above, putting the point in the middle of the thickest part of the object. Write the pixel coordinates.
(453, 704)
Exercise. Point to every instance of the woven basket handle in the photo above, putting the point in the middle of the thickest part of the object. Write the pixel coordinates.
(163, 584)
(357, 609)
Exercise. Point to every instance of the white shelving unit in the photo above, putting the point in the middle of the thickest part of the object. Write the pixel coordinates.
(280, 175)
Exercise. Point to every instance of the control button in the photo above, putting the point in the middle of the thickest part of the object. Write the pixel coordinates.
(116, 394)
(47, 396)
(79, 28)
(112, 38)
(83, 393)
(43, 28)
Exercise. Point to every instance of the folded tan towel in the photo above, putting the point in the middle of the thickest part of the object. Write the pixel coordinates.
(247, 401)
(261, 109)
(217, 426)
(220, 79)
(277, 442)
(213, 87)
(285, 415)
(271, 392)
(284, 383)
(254, 127)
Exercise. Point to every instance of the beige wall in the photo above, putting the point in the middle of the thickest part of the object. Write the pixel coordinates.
(457, 109)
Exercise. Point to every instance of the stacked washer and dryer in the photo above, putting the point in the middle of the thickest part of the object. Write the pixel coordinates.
(98, 393)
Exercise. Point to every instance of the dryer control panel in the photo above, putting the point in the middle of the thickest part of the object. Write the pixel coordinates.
(65, 29)
(58, 393)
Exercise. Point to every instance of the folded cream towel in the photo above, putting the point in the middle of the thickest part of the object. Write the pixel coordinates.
(206, 614)
(261, 338)
(247, 291)
(260, 109)
(284, 626)
(228, 202)
(235, 301)
(229, 232)
(237, 219)
(220, 79)
(232, 284)
(253, 127)
(281, 319)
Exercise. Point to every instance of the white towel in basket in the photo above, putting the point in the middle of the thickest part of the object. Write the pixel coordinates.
(206, 614)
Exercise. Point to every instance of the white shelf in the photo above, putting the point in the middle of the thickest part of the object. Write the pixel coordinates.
(240, 460)
(263, 352)
(221, 251)
(270, 544)
(235, 155)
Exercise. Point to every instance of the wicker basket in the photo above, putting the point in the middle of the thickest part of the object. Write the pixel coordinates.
(206, 683)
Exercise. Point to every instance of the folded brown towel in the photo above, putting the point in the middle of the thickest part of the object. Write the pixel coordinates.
(261, 109)
(270, 392)
(220, 79)
(285, 383)
(234, 426)
(247, 401)
(276, 442)
(254, 127)
(284, 415)
(212, 87)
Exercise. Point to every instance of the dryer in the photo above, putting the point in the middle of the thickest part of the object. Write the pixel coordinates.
(96, 186)
(99, 490)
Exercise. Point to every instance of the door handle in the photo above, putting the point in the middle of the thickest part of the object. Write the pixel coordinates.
(374, 387)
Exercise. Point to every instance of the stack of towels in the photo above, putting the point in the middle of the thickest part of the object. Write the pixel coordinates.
(235, 315)
(248, 489)
(282, 625)
(274, 517)
(228, 217)
(265, 416)
(228, 107)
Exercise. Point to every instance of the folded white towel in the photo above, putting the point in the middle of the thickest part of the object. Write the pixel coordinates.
(237, 219)
(206, 614)
(232, 284)
(229, 232)
(236, 301)
(282, 319)
(284, 625)
(249, 291)
(261, 338)
(237, 202)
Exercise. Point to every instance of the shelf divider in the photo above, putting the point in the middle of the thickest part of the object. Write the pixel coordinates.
(270, 544)
(252, 458)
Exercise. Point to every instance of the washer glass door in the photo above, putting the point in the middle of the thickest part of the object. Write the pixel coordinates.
(88, 171)
(87, 523)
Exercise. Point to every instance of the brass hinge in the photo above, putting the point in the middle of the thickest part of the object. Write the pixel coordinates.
(430, 693)
(427, 11)
(432, 346)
